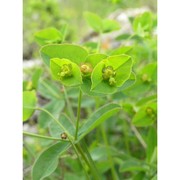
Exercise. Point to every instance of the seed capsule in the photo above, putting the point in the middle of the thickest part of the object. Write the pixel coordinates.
(149, 111)
(86, 69)
(145, 78)
(63, 135)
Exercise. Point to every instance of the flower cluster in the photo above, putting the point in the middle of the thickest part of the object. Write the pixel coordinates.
(108, 74)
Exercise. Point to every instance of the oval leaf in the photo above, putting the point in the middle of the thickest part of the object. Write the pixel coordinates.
(47, 36)
(98, 117)
(94, 59)
(75, 53)
(133, 165)
(110, 25)
(121, 64)
(46, 163)
(29, 102)
(151, 143)
(94, 21)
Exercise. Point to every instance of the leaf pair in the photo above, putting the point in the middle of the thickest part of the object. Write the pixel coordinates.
(101, 25)
(48, 36)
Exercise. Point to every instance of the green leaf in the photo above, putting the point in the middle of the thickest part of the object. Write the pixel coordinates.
(121, 50)
(133, 165)
(35, 78)
(100, 153)
(110, 25)
(46, 163)
(93, 60)
(151, 143)
(86, 88)
(98, 117)
(147, 100)
(91, 47)
(149, 73)
(74, 79)
(140, 175)
(75, 53)
(54, 107)
(122, 65)
(56, 131)
(49, 89)
(27, 85)
(143, 23)
(29, 102)
(131, 81)
(94, 21)
(123, 37)
(98, 84)
(155, 177)
(146, 115)
(47, 36)
(70, 176)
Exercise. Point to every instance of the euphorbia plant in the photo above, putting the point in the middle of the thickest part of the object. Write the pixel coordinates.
(70, 121)
(95, 75)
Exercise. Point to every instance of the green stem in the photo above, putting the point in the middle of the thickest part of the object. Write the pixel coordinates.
(78, 113)
(99, 42)
(42, 137)
(137, 134)
(113, 171)
(70, 109)
(126, 139)
(139, 137)
(84, 146)
(76, 151)
(89, 163)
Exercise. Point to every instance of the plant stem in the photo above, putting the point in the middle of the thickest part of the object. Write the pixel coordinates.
(99, 42)
(89, 163)
(70, 109)
(76, 151)
(42, 137)
(113, 171)
(78, 113)
(138, 135)
(126, 139)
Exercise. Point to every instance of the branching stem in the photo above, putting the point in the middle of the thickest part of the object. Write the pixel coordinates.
(78, 113)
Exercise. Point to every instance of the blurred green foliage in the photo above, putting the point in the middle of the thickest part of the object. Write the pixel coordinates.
(41, 14)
